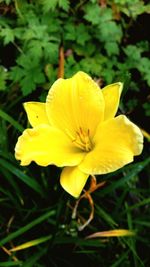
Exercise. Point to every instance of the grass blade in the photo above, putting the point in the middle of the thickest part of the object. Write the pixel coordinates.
(27, 227)
(22, 176)
(32, 243)
(12, 121)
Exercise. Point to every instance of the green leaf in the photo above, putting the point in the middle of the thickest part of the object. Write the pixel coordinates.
(77, 33)
(27, 84)
(8, 35)
(33, 78)
(51, 51)
(27, 61)
(112, 48)
(51, 5)
(70, 31)
(28, 74)
(64, 4)
(133, 8)
(110, 32)
(97, 15)
(92, 13)
(35, 49)
(16, 73)
(82, 35)
(144, 68)
(3, 78)
(92, 65)
(133, 53)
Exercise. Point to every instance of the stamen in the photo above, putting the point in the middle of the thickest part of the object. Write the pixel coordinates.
(83, 140)
(81, 130)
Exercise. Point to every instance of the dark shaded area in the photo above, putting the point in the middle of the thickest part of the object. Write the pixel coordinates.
(140, 29)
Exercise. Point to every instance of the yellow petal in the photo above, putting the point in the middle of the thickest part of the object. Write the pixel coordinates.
(73, 180)
(36, 113)
(75, 103)
(115, 143)
(46, 145)
(111, 94)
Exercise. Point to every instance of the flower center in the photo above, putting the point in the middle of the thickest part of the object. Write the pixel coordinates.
(83, 140)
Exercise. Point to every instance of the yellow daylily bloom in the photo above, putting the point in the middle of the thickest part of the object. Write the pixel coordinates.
(77, 129)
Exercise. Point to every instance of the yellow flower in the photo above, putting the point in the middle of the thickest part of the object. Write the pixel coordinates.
(77, 129)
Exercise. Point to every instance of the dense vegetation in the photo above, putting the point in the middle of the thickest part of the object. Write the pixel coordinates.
(110, 41)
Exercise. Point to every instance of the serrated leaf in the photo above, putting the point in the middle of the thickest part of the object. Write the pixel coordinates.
(32, 78)
(134, 8)
(110, 32)
(77, 33)
(35, 49)
(38, 76)
(51, 52)
(97, 15)
(92, 65)
(27, 60)
(49, 5)
(70, 32)
(92, 14)
(64, 4)
(144, 68)
(16, 73)
(53, 23)
(81, 51)
(8, 35)
(27, 85)
(112, 48)
(133, 52)
(82, 34)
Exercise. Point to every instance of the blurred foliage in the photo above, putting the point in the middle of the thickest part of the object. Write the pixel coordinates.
(107, 40)
(36, 29)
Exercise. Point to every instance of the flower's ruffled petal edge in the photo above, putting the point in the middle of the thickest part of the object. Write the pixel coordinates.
(116, 142)
(36, 113)
(111, 94)
(46, 145)
(75, 103)
(73, 180)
